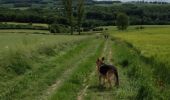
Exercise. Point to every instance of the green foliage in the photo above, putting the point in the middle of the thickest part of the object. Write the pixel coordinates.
(56, 28)
(150, 72)
(80, 12)
(71, 87)
(145, 92)
(18, 61)
(21, 26)
(68, 6)
(145, 14)
(47, 49)
(138, 71)
(31, 69)
(122, 21)
(153, 45)
(98, 29)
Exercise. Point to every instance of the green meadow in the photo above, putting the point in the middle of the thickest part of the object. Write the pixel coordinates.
(84, 50)
(63, 67)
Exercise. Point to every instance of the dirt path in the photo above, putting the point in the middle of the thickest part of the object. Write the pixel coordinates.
(58, 83)
(82, 93)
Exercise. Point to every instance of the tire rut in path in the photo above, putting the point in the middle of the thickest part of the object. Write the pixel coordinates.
(83, 91)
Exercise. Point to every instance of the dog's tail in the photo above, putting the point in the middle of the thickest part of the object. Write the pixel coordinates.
(117, 77)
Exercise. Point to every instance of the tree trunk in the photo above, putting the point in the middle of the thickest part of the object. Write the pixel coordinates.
(79, 29)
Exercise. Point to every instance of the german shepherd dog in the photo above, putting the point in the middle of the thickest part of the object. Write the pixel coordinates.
(106, 72)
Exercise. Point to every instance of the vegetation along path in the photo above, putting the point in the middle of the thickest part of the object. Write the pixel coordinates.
(71, 87)
(72, 64)
(32, 85)
(94, 92)
(70, 74)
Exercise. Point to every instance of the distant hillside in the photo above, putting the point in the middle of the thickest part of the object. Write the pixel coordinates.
(31, 1)
(23, 1)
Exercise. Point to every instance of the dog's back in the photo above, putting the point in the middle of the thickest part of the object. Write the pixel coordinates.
(104, 69)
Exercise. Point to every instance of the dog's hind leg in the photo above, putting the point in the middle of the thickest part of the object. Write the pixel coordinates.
(110, 83)
(109, 78)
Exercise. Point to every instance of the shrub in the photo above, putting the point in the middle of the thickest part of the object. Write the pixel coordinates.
(145, 92)
(86, 29)
(17, 26)
(17, 61)
(125, 63)
(122, 21)
(98, 29)
(56, 28)
(46, 49)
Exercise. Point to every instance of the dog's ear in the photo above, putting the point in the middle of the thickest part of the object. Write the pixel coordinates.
(97, 60)
(103, 58)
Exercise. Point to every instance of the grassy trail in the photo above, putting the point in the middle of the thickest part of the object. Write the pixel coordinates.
(75, 82)
(73, 64)
(125, 90)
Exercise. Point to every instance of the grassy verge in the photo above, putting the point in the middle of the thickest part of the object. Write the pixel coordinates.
(138, 69)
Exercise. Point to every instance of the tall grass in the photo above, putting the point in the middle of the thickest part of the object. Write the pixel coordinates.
(20, 66)
(141, 71)
(19, 55)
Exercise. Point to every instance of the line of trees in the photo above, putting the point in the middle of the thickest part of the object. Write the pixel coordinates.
(93, 16)
(68, 6)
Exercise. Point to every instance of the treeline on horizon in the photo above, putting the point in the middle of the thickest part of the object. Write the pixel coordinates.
(144, 14)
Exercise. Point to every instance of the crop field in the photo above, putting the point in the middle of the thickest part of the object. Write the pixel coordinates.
(63, 67)
(152, 42)
(153, 46)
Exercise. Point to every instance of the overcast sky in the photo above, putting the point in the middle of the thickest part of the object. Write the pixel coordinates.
(132, 0)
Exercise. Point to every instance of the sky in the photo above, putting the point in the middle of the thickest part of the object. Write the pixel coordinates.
(132, 0)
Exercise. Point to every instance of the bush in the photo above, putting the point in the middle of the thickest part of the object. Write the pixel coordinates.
(122, 21)
(18, 61)
(145, 92)
(98, 29)
(47, 49)
(57, 28)
(17, 26)
(86, 29)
